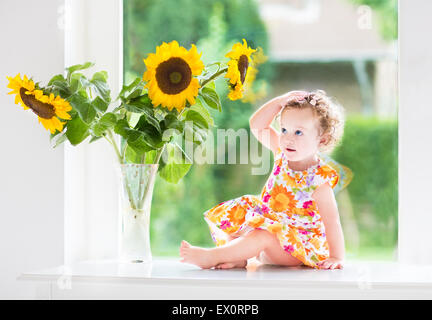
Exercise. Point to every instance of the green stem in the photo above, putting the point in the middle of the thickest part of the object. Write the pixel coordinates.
(151, 177)
(141, 197)
(123, 155)
(115, 148)
(147, 189)
(214, 76)
(111, 140)
(158, 155)
(114, 144)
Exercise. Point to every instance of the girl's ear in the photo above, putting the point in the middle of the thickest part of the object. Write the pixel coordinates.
(324, 140)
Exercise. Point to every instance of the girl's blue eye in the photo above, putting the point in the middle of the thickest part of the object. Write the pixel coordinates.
(298, 133)
(283, 130)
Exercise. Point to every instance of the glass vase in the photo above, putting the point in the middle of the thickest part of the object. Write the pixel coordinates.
(136, 191)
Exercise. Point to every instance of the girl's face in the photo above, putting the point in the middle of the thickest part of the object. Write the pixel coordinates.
(299, 137)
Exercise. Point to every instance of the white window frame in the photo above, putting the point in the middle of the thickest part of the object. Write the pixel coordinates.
(91, 196)
(93, 32)
(415, 114)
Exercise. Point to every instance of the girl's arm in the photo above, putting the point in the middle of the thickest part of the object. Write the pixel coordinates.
(261, 120)
(327, 207)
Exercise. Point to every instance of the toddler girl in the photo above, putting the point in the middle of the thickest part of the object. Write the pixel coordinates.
(295, 221)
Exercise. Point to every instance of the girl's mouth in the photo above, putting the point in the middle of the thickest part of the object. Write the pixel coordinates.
(290, 150)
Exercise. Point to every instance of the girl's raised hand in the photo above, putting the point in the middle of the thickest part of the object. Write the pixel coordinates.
(293, 95)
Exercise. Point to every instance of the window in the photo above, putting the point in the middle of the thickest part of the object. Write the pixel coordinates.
(353, 58)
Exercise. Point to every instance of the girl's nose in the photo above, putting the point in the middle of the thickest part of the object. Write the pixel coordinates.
(289, 139)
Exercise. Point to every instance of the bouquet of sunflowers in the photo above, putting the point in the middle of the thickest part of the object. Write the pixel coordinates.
(171, 99)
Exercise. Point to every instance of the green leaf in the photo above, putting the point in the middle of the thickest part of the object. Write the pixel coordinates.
(171, 122)
(197, 119)
(107, 121)
(77, 131)
(210, 85)
(101, 76)
(131, 156)
(210, 96)
(101, 88)
(136, 92)
(150, 156)
(70, 70)
(140, 104)
(93, 139)
(143, 101)
(127, 88)
(194, 134)
(77, 82)
(152, 137)
(175, 168)
(83, 106)
(199, 107)
(60, 139)
(54, 135)
(99, 104)
(137, 141)
(171, 126)
(59, 86)
(58, 77)
(143, 140)
(122, 128)
(148, 120)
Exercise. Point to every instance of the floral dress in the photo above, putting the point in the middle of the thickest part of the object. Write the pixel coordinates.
(284, 208)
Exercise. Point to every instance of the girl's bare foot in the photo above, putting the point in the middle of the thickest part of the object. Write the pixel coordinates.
(200, 257)
(229, 265)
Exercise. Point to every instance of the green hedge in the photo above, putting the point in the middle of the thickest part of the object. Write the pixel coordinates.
(370, 149)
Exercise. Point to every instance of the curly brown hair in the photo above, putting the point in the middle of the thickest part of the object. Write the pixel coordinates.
(331, 115)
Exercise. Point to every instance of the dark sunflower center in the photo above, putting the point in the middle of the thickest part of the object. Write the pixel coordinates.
(43, 110)
(243, 64)
(173, 76)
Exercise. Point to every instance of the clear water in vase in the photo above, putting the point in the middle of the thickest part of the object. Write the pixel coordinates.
(137, 184)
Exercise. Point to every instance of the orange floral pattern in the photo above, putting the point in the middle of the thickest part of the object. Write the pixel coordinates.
(285, 208)
(280, 199)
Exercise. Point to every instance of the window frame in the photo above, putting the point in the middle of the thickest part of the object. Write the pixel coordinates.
(91, 193)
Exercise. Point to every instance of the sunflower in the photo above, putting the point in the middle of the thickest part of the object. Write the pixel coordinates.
(250, 93)
(240, 56)
(170, 75)
(47, 108)
(20, 87)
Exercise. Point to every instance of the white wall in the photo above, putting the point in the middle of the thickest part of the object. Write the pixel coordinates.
(415, 135)
(31, 172)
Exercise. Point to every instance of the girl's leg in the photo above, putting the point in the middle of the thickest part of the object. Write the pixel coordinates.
(229, 265)
(276, 255)
(238, 249)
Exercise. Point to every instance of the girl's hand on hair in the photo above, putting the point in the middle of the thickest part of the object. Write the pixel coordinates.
(293, 95)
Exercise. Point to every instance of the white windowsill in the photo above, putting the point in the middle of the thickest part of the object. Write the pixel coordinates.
(167, 278)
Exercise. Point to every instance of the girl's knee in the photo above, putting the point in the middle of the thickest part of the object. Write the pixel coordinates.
(262, 235)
